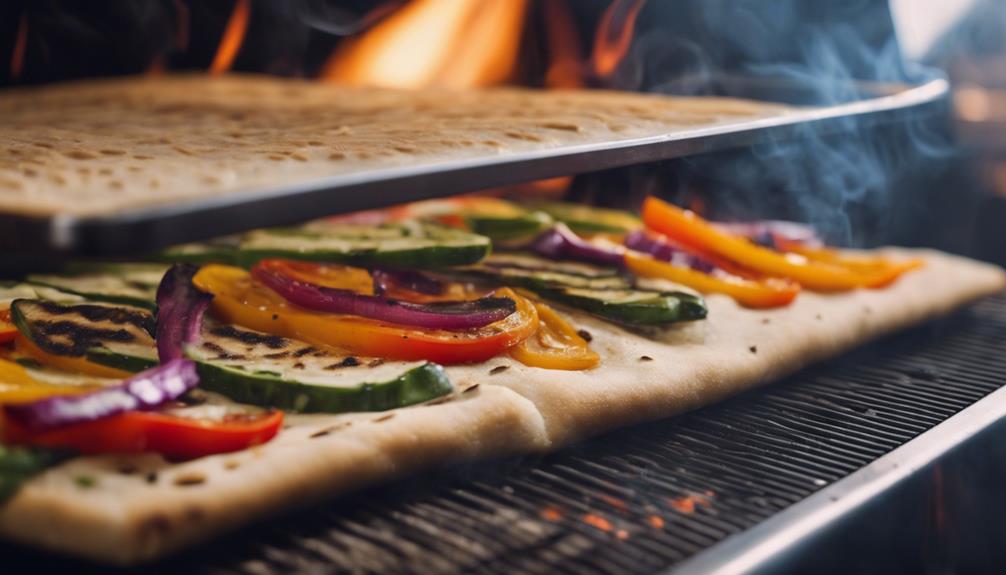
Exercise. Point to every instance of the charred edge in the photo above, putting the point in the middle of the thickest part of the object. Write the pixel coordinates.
(304, 351)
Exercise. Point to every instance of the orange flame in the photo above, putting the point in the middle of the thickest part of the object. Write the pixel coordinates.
(234, 36)
(614, 35)
(20, 44)
(565, 69)
(444, 43)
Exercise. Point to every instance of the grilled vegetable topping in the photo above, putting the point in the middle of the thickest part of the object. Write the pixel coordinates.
(174, 435)
(597, 290)
(268, 370)
(560, 242)
(584, 219)
(19, 383)
(556, 344)
(180, 309)
(505, 230)
(694, 232)
(465, 314)
(240, 300)
(19, 464)
(89, 338)
(406, 244)
(144, 391)
(130, 284)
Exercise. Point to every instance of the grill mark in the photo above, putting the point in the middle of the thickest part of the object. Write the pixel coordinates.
(82, 338)
(248, 337)
(99, 313)
(347, 362)
(304, 351)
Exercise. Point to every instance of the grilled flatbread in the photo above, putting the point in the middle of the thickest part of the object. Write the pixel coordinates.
(134, 509)
(97, 147)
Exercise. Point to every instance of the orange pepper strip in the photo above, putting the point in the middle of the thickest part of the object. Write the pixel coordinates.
(66, 363)
(771, 292)
(556, 344)
(241, 300)
(685, 227)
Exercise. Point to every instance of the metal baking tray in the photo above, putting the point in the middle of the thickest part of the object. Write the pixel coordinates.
(142, 230)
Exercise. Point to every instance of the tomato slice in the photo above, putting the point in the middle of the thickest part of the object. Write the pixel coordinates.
(691, 230)
(765, 293)
(173, 436)
(556, 344)
(7, 330)
(241, 300)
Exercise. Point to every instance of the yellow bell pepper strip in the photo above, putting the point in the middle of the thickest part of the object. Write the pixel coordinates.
(767, 293)
(18, 386)
(556, 345)
(243, 301)
(67, 363)
(691, 230)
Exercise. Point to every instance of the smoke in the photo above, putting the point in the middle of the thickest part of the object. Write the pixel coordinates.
(848, 177)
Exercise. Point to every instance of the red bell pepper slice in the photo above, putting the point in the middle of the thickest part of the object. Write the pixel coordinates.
(173, 436)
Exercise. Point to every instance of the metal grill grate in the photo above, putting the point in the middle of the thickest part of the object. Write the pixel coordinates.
(641, 499)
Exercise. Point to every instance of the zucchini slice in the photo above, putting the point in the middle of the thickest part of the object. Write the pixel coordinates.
(115, 336)
(219, 251)
(407, 244)
(510, 230)
(584, 219)
(10, 291)
(130, 284)
(600, 291)
(272, 371)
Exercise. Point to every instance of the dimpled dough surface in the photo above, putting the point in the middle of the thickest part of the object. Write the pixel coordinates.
(101, 146)
(140, 508)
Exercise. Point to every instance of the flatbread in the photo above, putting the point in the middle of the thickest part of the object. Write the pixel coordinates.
(102, 146)
(140, 508)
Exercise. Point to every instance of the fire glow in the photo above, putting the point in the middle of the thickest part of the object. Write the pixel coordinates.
(435, 43)
(20, 43)
(234, 36)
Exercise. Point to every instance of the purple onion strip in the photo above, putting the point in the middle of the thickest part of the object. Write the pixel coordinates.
(180, 310)
(436, 315)
(664, 251)
(559, 242)
(143, 392)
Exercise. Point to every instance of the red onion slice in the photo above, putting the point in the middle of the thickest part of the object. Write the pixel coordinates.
(770, 232)
(180, 310)
(559, 242)
(142, 392)
(407, 279)
(437, 315)
(665, 251)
